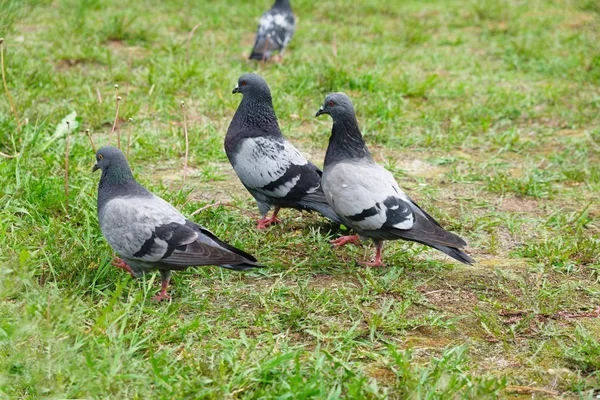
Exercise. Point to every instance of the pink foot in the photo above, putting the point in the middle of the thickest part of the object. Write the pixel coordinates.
(339, 242)
(376, 263)
(162, 295)
(119, 263)
(263, 223)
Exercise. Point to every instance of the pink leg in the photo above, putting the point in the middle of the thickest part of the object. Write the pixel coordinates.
(339, 242)
(377, 262)
(264, 222)
(162, 295)
(119, 263)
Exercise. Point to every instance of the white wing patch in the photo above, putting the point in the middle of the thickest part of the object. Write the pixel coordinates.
(260, 161)
(279, 25)
(359, 190)
(406, 224)
(270, 21)
(284, 189)
(127, 222)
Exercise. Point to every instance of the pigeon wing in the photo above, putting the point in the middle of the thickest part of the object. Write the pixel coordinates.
(428, 231)
(151, 230)
(275, 26)
(283, 28)
(275, 168)
(207, 249)
(367, 197)
(144, 228)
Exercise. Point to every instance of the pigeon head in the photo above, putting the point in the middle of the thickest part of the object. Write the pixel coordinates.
(109, 156)
(116, 179)
(114, 166)
(338, 105)
(346, 141)
(282, 4)
(255, 115)
(252, 85)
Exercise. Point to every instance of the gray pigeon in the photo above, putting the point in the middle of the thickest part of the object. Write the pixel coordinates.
(149, 233)
(269, 166)
(275, 30)
(366, 195)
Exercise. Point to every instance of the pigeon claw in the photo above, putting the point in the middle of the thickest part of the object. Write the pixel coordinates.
(339, 242)
(162, 295)
(263, 223)
(119, 263)
(376, 263)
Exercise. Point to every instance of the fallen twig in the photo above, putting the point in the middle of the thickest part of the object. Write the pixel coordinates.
(187, 48)
(7, 155)
(89, 135)
(129, 136)
(8, 95)
(129, 67)
(592, 314)
(251, 214)
(118, 100)
(516, 316)
(67, 166)
(265, 49)
(334, 45)
(185, 132)
(433, 291)
(530, 389)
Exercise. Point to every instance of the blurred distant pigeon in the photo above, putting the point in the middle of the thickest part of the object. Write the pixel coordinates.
(269, 166)
(366, 195)
(275, 30)
(149, 233)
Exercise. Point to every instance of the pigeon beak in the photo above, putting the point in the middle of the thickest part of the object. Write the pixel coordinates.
(320, 112)
(236, 89)
(96, 167)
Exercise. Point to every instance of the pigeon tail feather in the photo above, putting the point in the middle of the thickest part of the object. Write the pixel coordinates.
(241, 267)
(324, 209)
(258, 56)
(249, 258)
(316, 201)
(455, 253)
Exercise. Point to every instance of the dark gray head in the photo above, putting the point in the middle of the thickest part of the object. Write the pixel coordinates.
(114, 166)
(338, 105)
(252, 85)
(117, 179)
(282, 4)
(346, 141)
(255, 115)
(109, 156)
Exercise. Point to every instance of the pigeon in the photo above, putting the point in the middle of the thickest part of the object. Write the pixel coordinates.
(149, 233)
(275, 30)
(367, 197)
(270, 167)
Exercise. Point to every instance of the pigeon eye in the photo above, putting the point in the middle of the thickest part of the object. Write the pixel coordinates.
(100, 157)
(331, 103)
(244, 83)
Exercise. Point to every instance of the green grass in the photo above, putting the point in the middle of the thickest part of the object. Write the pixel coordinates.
(487, 114)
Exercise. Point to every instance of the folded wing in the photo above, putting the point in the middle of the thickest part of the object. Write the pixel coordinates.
(275, 168)
(151, 230)
(368, 198)
(275, 26)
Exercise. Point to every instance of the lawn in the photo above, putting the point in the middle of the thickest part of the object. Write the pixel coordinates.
(486, 112)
